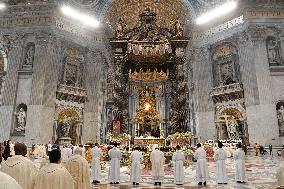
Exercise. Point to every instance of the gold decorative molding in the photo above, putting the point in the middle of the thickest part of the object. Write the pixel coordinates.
(167, 11)
(148, 76)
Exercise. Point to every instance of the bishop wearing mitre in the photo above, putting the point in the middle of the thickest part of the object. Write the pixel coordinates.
(7, 182)
(157, 160)
(54, 175)
(78, 167)
(20, 168)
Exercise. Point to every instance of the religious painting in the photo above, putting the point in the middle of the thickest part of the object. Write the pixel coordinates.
(280, 117)
(116, 127)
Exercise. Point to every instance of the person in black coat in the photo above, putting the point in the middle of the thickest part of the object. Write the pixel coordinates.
(270, 150)
(7, 152)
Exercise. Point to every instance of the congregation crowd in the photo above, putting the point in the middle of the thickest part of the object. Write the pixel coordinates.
(68, 168)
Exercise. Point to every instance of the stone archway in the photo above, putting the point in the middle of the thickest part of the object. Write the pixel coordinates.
(230, 123)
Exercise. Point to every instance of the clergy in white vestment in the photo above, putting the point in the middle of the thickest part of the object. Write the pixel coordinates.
(78, 167)
(20, 168)
(157, 160)
(114, 168)
(178, 159)
(96, 163)
(280, 175)
(8, 182)
(66, 153)
(202, 173)
(54, 175)
(136, 159)
(239, 156)
(220, 157)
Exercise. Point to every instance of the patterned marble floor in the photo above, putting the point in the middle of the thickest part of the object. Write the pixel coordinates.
(260, 171)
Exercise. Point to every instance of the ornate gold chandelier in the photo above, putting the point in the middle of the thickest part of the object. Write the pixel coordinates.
(148, 76)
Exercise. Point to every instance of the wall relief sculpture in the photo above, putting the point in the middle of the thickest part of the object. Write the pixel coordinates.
(280, 116)
(273, 51)
(225, 65)
(29, 57)
(21, 119)
(73, 67)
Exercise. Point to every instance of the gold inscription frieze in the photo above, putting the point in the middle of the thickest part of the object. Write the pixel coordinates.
(7, 23)
(264, 14)
(49, 21)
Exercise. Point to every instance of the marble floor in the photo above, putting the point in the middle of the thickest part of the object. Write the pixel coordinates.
(260, 171)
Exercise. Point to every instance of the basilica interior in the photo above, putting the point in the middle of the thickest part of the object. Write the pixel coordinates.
(78, 71)
(150, 75)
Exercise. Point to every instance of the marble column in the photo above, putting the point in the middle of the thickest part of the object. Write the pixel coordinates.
(92, 78)
(258, 89)
(10, 87)
(40, 113)
(202, 81)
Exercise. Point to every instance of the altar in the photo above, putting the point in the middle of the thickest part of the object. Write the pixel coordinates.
(149, 141)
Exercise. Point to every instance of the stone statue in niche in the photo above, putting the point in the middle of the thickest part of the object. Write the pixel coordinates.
(280, 117)
(29, 57)
(120, 29)
(232, 129)
(21, 120)
(178, 28)
(273, 51)
(65, 127)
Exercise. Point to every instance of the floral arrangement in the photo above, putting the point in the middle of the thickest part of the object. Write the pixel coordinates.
(120, 138)
(182, 138)
(209, 151)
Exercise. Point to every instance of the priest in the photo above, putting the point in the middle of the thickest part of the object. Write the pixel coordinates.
(178, 159)
(20, 168)
(220, 157)
(157, 160)
(136, 159)
(96, 163)
(114, 169)
(202, 172)
(54, 175)
(78, 167)
(7, 182)
(239, 156)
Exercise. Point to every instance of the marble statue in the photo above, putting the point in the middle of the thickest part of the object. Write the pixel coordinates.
(120, 29)
(29, 57)
(65, 127)
(280, 117)
(21, 120)
(273, 51)
(232, 129)
(178, 29)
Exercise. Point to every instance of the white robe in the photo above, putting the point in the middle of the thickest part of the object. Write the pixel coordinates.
(66, 153)
(202, 173)
(239, 156)
(136, 159)
(220, 157)
(53, 176)
(96, 163)
(21, 169)
(178, 159)
(114, 169)
(7, 182)
(78, 167)
(157, 160)
(280, 175)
